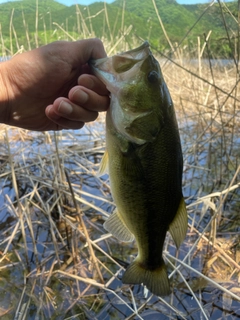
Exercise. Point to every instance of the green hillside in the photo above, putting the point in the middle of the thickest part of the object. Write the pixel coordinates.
(23, 25)
(196, 20)
(28, 7)
(175, 17)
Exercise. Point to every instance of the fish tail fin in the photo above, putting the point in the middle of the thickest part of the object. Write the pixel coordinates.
(155, 280)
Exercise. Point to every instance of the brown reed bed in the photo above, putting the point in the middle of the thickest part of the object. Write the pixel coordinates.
(57, 261)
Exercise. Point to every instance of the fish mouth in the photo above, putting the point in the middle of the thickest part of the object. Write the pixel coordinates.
(120, 67)
(131, 52)
(101, 68)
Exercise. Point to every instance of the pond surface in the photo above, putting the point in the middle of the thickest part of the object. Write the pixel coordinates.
(57, 261)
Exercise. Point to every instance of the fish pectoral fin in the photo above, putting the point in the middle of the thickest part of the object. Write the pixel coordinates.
(155, 280)
(116, 226)
(104, 164)
(179, 225)
(140, 131)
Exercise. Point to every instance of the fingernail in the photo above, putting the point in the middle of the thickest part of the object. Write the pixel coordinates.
(80, 96)
(51, 114)
(65, 108)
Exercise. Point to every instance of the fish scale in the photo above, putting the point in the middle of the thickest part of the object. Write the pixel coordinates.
(144, 161)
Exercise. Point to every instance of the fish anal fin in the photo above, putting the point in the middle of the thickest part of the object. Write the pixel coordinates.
(155, 280)
(103, 164)
(116, 226)
(179, 225)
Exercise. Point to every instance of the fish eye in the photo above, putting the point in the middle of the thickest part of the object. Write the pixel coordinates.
(153, 76)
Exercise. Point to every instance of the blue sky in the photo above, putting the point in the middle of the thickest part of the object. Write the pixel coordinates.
(86, 2)
(68, 2)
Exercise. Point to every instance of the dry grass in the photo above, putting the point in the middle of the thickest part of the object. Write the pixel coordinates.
(55, 255)
(57, 261)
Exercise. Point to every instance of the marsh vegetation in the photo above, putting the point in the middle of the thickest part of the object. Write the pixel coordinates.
(57, 261)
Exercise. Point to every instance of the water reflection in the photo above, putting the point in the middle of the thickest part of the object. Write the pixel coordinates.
(46, 264)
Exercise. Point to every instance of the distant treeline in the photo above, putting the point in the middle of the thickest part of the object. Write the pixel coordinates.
(167, 25)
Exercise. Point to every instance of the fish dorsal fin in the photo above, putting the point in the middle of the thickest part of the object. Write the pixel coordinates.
(178, 227)
(104, 164)
(118, 228)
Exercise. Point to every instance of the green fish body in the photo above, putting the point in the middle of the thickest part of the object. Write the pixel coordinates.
(144, 161)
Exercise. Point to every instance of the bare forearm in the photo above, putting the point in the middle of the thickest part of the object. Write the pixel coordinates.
(4, 96)
(9, 95)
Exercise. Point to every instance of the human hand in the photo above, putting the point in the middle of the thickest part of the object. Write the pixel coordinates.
(39, 83)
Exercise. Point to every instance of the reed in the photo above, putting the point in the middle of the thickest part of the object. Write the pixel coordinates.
(57, 261)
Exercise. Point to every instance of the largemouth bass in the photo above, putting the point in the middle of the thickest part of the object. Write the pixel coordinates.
(144, 161)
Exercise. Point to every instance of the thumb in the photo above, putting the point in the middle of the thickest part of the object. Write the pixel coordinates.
(84, 50)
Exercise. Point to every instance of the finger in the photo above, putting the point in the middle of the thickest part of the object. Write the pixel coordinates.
(64, 108)
(61, 122)
(93, 83)
(89, 99)
(82, 51)
(95, 49)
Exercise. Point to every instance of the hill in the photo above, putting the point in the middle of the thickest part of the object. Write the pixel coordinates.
(194, 20)
(22, 24)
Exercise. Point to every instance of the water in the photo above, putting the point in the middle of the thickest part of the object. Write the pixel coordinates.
(39, 283)
(2, 59)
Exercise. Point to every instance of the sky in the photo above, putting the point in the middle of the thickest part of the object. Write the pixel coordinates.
(86, 2)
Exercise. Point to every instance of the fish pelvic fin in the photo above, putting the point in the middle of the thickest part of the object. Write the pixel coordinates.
(155, 280)
(116, 226)
(103, 164)
(179, 225)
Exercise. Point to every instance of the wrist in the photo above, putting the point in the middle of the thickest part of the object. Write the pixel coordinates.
(4, 92)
